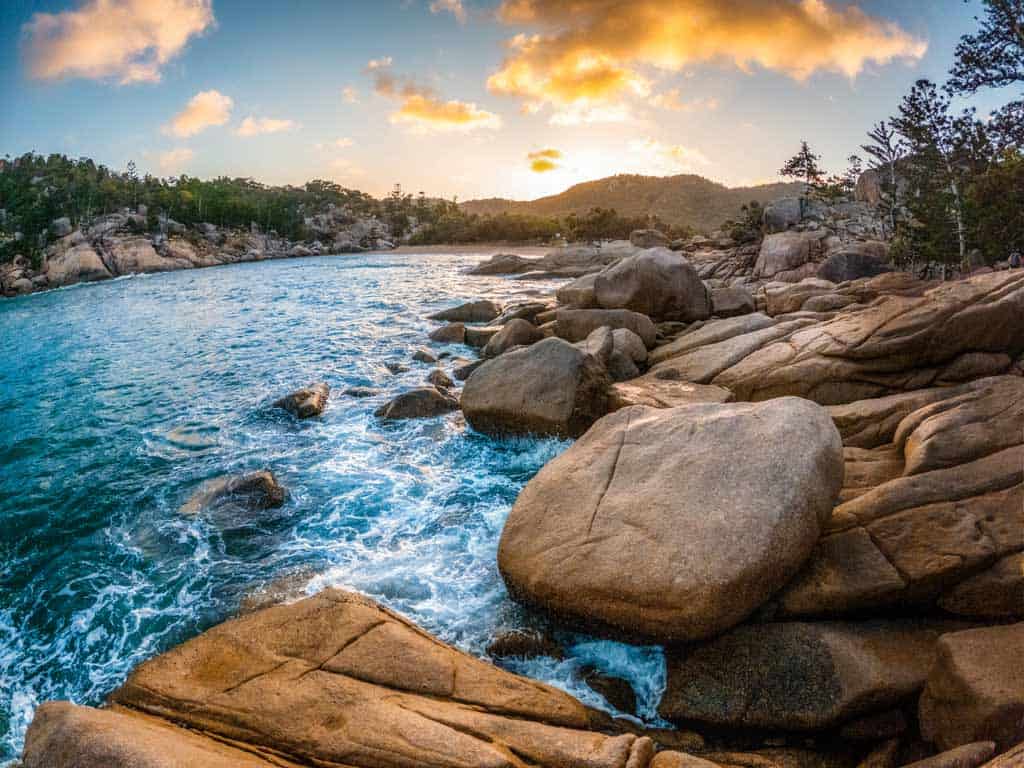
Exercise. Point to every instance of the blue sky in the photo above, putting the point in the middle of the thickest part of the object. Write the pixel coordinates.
(653, 86)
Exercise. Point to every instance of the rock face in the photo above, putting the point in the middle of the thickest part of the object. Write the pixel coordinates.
(797, 676)
(975, 690)
(549, 388)
(658, 283)
(721, 503)
(782, 214)
(306, 402)
(254, 490)
(482, 311)
(419, 403)
(74, 262)
(576, 324)
(789, 256)
(648, 238)
(517, 333)
(330, 680)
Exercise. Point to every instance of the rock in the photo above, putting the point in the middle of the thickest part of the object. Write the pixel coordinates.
(621, 367)
(477, 336)
(711, 333)
(721, 503)
(780, 215)
(967, 756)
(74, 263)
(869, 187)
(504, 264)
(135, 255)
(855, 261)
(362, 392)
(996, 593)
(335, 680)
(884, 725)
(464, 371)
(517, 333)
(578, 294)
(61, 227)
(629, 344)
(885, 755)
(616, 691)
(680, 760)
(453, 333)
(784, 298)
(658, 283)
(1013, 758)
(306, 402)
(549, 388)
(524, 643)
(576, 324)
(599, 344)
(527, 310)
(789, 256)
(648, 238)
(22, 285)
(829, 302)
(655, 390)
(730, 302)
(482, 311)
(800, 676)
(298, 250)
(253, 490)
(975, 690)
(423, 355)
(419, 403)
(440, 379)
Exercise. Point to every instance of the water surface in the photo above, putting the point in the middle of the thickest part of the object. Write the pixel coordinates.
(117, 399)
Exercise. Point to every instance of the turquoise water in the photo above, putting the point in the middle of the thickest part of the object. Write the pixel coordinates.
(117, 399)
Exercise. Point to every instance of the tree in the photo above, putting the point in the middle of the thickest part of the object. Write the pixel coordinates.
(886, 150)
(804, 165)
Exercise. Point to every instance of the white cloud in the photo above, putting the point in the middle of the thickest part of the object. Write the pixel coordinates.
(205, 109)
(453, 7)
(382, 63)
(255, 126)
(349, 95)
(172, 161)
(127, 40)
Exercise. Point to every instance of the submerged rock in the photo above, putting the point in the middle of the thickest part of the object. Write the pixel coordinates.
(524, 643)
(253, 490)
(674, 524)
(306, 402)
(419, 403)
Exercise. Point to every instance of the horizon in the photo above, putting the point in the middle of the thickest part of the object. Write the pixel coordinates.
(518, 99)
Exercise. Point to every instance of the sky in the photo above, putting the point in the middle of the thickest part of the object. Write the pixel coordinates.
(466, 98)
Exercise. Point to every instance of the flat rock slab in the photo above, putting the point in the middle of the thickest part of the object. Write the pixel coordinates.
(674, 524)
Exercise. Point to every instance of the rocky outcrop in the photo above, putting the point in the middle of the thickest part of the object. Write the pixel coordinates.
(306, 402)
(253, 490)
(732, 501)
(549, 388)
(576, 324)
(790, 256)
(975, 690)
(419, 403)
(73, 260)
(658, 283)
(481, 311)
(579, 294)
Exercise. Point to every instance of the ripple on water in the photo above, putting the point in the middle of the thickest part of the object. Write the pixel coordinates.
(124, 396)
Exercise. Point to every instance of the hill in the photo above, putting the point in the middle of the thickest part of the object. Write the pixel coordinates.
(679, 200)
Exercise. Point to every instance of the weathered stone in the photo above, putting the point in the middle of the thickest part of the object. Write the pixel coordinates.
(1013, 758)
(996, 593)
(780, 215)
(975, 690)
(579, 293)
(621, 367)
(576, 324)
(789, 256)
(800, 676)
(629, 344)
(61, 227)
(362, 392)
(658, 283)
(730, 302)
(74, 263)
(517, 333)
(478, 336)
(719, 519)
(616, 691)
(463, 372)
(254, 490)
(549, 388)
(482, 311)
(656, 391)
(854, 261)
(419, 403)
(883, 725)
(453, 333)
(524, 310)
(710, 333)
(440, 379)
(306, 402)
(599, 344)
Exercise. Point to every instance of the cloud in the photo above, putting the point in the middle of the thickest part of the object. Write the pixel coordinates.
(203, 110)
(673, 100)
(349, 95)
(382, 63)
(453, 7)
(172, 161)
(602, 52)
(255, 126)
(544, 160)
(669, 158)
(126, 40)
(421, 108)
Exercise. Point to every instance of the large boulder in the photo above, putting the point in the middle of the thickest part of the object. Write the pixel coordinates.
(648, 238)
(503, 264)
(517, 333)
(74, 261)
(729, 302)
(252, 490)
(658, 283)
(975, 690)
(782, 214)
(419, 403)
(674, 524)
(869, 188)
(549, 388)
(854, 261)
(579, 293)
(789, 256)
(331, 680)
(800, 676)
(576, 324)
(133, 255)
(481, 311)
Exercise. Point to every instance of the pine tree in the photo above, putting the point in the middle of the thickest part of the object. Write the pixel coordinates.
(886, 150)
(804, 166)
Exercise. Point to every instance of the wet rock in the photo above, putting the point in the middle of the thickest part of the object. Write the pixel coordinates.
(362, 392)
(463, 372)
(967, 756)
(440, 379)
(646, 485)
(253, 490)
(481, 311)
(423, 355)
(658, 283)
(453, 333)
(419, 403)
(975, 690)
(648, 238)
(517, 333)
(576, 324)
(306, 402)
(549, 388)
(524, 643)
(730, 302)
(578, 294)
(502, 264)
(528, 310)
(800, 676)
(616, 691)
(396, 367)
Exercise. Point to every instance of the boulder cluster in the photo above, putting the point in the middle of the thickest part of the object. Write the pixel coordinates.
(804, 480)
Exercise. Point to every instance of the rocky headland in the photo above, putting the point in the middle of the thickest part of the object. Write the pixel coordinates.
(797, 469)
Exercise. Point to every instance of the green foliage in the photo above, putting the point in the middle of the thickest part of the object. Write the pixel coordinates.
(996, 205)
(747, 228)
(804, 166)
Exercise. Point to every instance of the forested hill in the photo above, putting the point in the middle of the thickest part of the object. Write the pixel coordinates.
(684, 200)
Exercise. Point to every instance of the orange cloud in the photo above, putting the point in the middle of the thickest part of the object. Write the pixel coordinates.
(173, 160)
(420, 107)
(543, 160)
(205, 109)
(599, 52)
(129, 40)
(454, 7)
